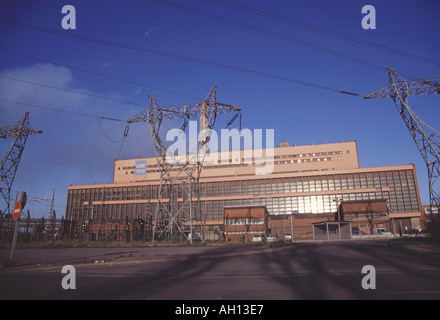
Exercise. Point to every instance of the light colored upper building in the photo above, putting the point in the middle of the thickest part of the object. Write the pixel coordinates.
(281, 160)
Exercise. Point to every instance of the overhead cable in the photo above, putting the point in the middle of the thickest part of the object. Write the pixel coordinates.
(71, 91)
(272, 33)
(62, 110)
(166, 54)
(101, 74)
(326, 31)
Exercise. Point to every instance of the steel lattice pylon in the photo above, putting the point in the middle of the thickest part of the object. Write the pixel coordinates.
(426, 138)
(10, 161)
(178, 214)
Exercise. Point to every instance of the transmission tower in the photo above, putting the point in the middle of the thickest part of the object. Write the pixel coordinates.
(178, 214)
(426, 138)
(52, 215)
(10, 161)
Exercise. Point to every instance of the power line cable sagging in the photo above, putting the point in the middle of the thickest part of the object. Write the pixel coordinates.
(326, 31)
(167, 54)
(61, 110)
(273, 34)
(71, 91)
(136, 83)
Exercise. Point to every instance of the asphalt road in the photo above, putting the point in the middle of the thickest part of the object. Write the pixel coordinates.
(328, 270)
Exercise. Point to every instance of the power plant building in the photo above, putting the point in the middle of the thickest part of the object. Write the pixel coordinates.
(307, 184)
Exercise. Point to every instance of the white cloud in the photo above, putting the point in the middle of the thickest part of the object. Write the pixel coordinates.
(25, 92)
(69, 98)
(72, 148)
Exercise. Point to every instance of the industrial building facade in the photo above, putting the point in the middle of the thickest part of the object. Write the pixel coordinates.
(307, 181)
(243, 223)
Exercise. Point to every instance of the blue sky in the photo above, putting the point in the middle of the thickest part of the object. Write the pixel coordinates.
(77, 149)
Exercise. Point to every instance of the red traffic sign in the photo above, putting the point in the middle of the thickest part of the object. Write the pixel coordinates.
(17, 211)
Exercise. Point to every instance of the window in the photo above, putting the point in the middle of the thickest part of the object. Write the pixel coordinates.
(324, 185)
(299, 186)
(312, 185)
(305, 185)
(337, 182)
(236, 221)
(318, 184)
(255, 221)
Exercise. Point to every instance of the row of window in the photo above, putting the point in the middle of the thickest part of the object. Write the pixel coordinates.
(250, 160)
(310, 154)
(214, 210)
(223, 166)
(401, 192)
(399, 182)
(245, 221)
(248, 232)
(306, 160)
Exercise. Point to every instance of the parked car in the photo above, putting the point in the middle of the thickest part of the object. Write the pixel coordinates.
(287, 237)
(258, 238)
(272, 238)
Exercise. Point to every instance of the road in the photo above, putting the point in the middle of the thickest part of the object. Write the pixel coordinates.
(328, 270)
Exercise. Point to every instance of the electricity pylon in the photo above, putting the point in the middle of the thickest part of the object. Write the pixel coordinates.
(426, 138)
(52, 215)
(10, 161)
(178, 212)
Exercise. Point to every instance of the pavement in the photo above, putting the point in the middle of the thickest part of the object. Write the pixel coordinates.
(46, 259)
(307, 270)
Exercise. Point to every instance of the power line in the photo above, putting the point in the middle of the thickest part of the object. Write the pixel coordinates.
(71, 91)
(61, 110)
(111, 140)
(326, 31)
(101, 75)
(165, 54)
(272, 33)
